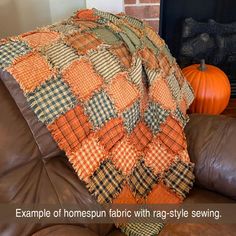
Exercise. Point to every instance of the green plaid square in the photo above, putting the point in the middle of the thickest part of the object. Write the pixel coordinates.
(109, 16)
(131, 116)
(106, 182)
(10, 51)
(188, 93)
(183, 119)
(106, 35)
(154, 116)
(142, 179)
(51, 99)
(134, 21)
(179, 177)
(141, 229)
(100, 109)
(174, 86)
(60, 55)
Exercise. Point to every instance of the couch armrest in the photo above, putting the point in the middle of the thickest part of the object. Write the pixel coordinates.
(212, 147)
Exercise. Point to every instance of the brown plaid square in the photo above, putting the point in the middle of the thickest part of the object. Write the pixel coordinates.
(164, 64)
(83, 42)
(123, 54)
(172, 136)
(142, 179)
(111, 133)
(149, 58)
(106, 183)
(179, 177)
(141, 136)
(70, 129)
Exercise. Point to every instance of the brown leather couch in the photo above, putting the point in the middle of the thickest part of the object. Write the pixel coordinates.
(34, 170)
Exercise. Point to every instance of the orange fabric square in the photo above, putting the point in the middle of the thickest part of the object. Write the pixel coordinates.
(111, 133)
(149, 58)
(183, 106)
(164, 64)
(83, 42)
(184, 156)
(87, 158)
(40, 39)
(160, 92)
(122, 91)
(124, 156)
(123, 54)
(172, 136)
(154, 37)
(141, 136)
(125, 197)
(161, 195)
(84, 25)
(157, 157)
(30, 71)
(70, 129)
(82, 79)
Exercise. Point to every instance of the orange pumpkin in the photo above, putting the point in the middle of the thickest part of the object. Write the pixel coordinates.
(211, 88)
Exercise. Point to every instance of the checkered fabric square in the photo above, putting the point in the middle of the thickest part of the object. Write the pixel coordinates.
(122, 92)
(149, 58)
(135, 72)
(83, 42)
(164, 64)
(106, 35)
(142, 179)
(30, 71)
(154, 116)
(141, 229)
(141, 136)
(172, 136)
(161, 94)
(100, 109)
(188, 93)
(10, 51)
(105, 63)
(183, 119)
(64, 28)
(40, 39)
(70, 129)
(180, 177)
(109, 16)
(111, 133)
(106, 183)
(157, 157)
(82, 78)
(174, 86)
(124, 156)
(131, 116)
(87, 159)
(60, 55)
(122, 54)
(52, 99)
(184, 156)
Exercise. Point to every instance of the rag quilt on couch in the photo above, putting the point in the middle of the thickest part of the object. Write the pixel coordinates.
(115, 100)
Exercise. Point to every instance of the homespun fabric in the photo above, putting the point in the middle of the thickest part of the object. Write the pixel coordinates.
(115, 100)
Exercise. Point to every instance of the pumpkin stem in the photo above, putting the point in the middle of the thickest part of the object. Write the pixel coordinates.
(202, 66)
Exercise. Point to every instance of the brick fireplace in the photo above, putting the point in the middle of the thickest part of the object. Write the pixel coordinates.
(148, 10)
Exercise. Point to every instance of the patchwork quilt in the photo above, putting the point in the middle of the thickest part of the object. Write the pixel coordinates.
(115, 100)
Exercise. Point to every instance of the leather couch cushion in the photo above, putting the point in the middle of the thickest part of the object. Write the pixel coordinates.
(212, 147)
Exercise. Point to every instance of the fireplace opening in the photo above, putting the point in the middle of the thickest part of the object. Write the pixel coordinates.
(195, 30)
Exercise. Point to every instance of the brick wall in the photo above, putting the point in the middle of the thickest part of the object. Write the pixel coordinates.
(148, 10)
